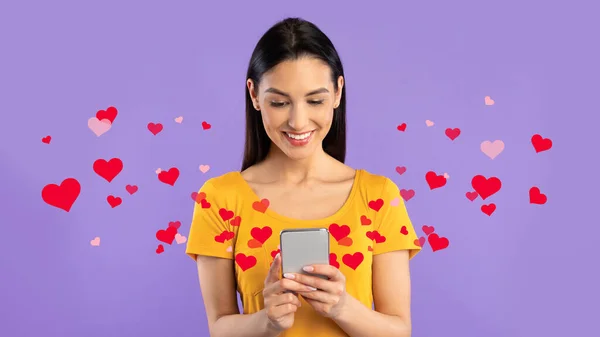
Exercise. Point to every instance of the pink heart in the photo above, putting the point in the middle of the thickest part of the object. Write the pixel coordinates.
(180, 238)
(395, 202)
(446, 175)
(229, 249)
(158, 170)
(99, 127)
(489, 100)
(95, 242)
(429, 123)
(400, 169)
(492, 149)
(204, 168)
(407, 194)
(179, 119)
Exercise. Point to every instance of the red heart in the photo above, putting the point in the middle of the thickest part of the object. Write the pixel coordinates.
(224, 236)
(169, 177)
(400, 169)
(131, 189)
(376, 204)
(245, 262)
(375, 236)
(488, 209)
(46, 139)
(155, 128)
(261, 234)
(541, 144)
(110, 114)
(407, 194)
(435, 181)
(428, 229)
(420, 241)
(167, 236)
(536, 197)
(486, 187)
(472, 195)
(404, 230)
(364, 220)
(339, 232)
(206, 126)
(204, 203)
(62, 196)
(402, 127)
(175, 224)
(236, 221)
(333, 260)
(353, 260)
(113, 201)
(437, 243)
(261, 206)
(275, 252)
(225, 214)
(160, 249)
(108, 169)
(452, 133)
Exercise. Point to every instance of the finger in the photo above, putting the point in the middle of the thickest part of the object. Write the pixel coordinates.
(330, 271)
(319, 296)
(282, 310)
(315, 282)
(274, 270)
(286, 298)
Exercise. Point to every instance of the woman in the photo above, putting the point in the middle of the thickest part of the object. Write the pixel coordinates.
(293, 176)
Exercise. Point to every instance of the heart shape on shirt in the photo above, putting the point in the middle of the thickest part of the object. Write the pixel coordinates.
(236, 221)
(345, 242)
(261, 206)
(376, 204)
(225, 214)
(245, 262)
(261, 234)
(364, 220)
(339, 232)
(353, 260)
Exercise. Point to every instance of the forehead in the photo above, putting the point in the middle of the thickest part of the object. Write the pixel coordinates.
(298, 76)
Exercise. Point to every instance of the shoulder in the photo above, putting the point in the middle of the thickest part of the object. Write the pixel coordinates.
(375, 186)
(222, 187)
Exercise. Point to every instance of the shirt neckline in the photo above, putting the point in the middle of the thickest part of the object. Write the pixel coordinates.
(247, 189)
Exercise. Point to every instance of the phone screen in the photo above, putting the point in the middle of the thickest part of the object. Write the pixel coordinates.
(301, 247)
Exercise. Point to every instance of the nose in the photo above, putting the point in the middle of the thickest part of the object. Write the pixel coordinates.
(298, 119)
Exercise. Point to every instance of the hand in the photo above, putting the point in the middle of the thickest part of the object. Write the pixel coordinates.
(330, 297)
(280, 305)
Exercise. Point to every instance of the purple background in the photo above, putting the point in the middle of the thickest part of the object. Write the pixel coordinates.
(525, 271)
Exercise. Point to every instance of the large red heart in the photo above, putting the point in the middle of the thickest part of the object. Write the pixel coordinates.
(110, 114)
(108, 169)
(437, 243)
(536, 197)
(353, 260)
(169, 177)
(541, 144)
(261, 234)
(245, 262)
(435, 181)
(486, 187)
(339, 232)
(167, 236)
(62, 196)
(452, 133)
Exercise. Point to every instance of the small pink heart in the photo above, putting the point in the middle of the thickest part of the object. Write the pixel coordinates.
(429, 123)
(395, 202)
(158, 170)
(489, 100)
(492, 149)
(99, 127)
(180, 238)
(204, 168)
(95, 242)
(229, 249)
(400, 170)
(179, 119)
(407, 194)
(446, 175)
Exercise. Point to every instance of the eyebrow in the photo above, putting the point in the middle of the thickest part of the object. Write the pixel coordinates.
(279, 92)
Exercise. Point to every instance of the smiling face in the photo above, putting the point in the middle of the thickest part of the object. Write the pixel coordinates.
(296, 100)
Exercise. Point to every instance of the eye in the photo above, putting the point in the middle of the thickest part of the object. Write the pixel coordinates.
(277, 104)
(315, 102)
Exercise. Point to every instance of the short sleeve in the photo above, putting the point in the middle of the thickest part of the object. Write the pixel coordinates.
(209, 235)
(394, 227)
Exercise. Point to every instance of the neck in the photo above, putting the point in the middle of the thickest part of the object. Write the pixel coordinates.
(292, 171)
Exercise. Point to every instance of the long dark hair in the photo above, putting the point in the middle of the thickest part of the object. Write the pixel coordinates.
(291, 39)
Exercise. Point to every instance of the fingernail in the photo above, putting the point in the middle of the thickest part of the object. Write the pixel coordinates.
(287, 275)
(311, 288)
(308, 268)
(277, 256)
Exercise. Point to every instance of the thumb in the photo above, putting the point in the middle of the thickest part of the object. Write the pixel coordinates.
(275, 270)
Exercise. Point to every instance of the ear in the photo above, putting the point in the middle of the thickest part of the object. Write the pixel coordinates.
(338, 93)
(252, 90)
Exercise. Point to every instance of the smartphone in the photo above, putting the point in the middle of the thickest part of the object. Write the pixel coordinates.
(301, 247)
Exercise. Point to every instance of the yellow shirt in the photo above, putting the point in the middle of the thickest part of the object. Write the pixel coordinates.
(232, 222)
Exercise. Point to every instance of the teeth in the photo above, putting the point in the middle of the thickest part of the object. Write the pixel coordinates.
(298, 137)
